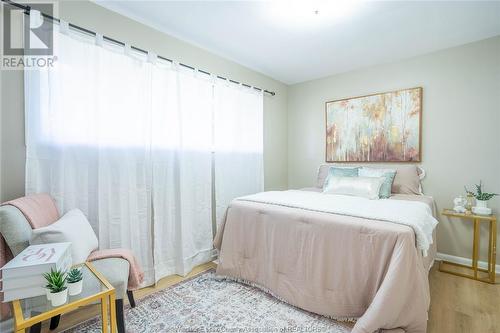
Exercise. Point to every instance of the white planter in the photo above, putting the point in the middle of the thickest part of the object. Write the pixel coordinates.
(58, 299)
(75, 288)
(482, 203)
(47, 293)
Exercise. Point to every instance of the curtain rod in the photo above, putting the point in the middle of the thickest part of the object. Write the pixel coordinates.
(27, 10)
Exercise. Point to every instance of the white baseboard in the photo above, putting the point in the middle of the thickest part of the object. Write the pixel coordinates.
(463, 261)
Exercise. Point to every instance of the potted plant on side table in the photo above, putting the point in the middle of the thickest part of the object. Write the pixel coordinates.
(481, 199)
(56, 282)
(75, 281)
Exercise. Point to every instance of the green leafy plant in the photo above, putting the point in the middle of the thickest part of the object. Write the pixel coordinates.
(74, 275)
(480, 195)
(56, 281)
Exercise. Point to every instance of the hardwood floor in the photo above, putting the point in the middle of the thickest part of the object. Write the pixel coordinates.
(458, 305)
(461, 305)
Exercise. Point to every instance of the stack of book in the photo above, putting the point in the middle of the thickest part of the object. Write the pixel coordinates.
(22, 277)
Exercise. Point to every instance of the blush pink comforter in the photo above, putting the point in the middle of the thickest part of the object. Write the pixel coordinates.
(338, 266)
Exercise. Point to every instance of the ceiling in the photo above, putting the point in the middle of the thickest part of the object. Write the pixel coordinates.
(296, 41)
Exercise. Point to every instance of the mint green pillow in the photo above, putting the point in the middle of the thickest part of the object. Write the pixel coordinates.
(341, 172)
(387, 174)
(385, 189)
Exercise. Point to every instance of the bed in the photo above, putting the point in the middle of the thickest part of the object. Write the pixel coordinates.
(343, 266)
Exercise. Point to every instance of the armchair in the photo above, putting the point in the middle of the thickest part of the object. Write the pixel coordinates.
(16, 230)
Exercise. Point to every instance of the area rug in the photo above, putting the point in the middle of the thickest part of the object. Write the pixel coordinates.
(206, 304)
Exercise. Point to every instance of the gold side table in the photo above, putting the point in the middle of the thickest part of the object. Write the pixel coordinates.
(492, 247)
(30, 312)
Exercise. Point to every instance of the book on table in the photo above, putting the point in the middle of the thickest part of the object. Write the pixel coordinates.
(22, 277)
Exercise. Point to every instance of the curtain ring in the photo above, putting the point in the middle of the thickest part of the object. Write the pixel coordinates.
(63, 27)
(36, 19)
(152, 57)
(127, 49)
(99, 39)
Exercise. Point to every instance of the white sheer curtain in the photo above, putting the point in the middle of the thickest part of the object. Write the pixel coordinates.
(88, 146)
(182, 174)
(132, 140)
(125, 140)
(238, 143)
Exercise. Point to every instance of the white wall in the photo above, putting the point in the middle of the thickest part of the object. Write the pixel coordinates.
(96, 18)
(461, 119)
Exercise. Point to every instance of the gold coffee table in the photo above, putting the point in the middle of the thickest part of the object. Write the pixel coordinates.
(492, 247)
(30, 312)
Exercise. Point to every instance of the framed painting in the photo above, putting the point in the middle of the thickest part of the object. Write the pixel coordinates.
(385, 127)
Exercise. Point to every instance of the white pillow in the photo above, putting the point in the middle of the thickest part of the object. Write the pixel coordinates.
(72, 227)
(387, 174)
(366, 187)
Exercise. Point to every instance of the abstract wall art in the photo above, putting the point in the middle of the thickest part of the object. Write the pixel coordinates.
(383, 127)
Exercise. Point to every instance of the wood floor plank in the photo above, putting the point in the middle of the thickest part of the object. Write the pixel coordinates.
(461, 305)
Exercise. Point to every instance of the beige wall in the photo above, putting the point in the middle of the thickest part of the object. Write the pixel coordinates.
(96, 18)
(461, 119)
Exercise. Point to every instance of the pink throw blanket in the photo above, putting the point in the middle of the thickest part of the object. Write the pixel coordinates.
(135, 275)
(40, 210)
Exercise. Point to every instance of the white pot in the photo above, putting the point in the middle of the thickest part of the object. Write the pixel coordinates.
(75, 288)
(482, 203)
(47, 293)
(58, 299)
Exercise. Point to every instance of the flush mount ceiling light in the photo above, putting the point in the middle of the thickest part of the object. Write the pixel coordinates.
(303, 13)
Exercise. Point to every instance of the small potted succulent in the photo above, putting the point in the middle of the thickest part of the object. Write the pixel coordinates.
(56, 282)
(75, 281)
(481, 197)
